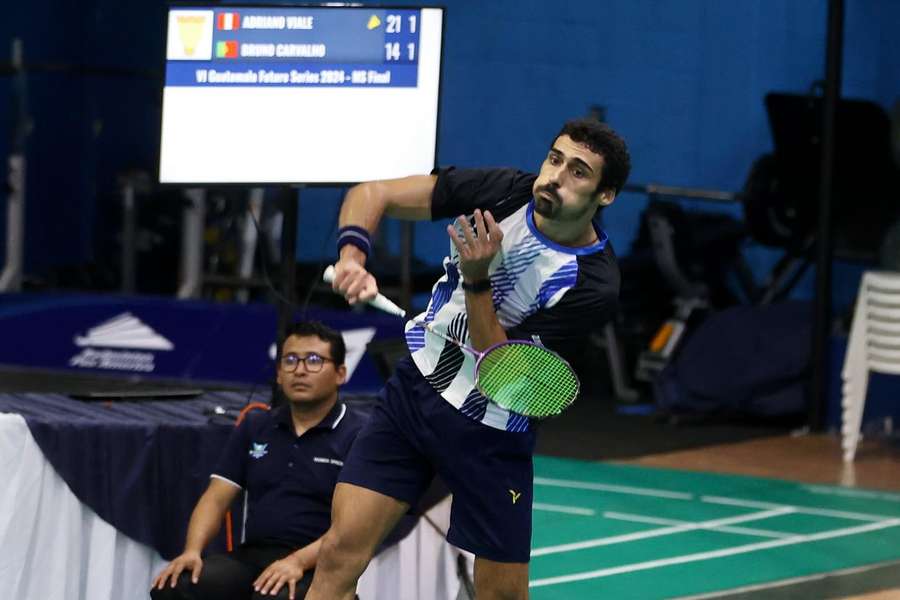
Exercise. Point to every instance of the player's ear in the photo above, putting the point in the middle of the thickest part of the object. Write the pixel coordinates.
(341, 374)
(606, 197)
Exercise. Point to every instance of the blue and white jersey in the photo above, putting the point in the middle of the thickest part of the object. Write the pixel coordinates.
(542, 292)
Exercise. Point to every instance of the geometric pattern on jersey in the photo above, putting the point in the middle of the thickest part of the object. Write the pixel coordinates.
(448, 365)
(474, 405)
(528, 274)
(564, 278)
(520, 257)
(440, 294)
(517, 423)
(451, 358)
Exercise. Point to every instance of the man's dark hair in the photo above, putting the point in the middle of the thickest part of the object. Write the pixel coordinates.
(602, 140)
(324, 333)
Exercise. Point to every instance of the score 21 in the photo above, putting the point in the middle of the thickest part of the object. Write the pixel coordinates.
(394, 24)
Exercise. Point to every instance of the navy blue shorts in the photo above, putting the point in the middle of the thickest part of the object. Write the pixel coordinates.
(414, 434)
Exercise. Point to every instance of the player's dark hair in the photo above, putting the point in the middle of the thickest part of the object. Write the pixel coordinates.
(324, 333)
(602, 140)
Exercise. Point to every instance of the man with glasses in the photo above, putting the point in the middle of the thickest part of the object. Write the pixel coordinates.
(287, 462)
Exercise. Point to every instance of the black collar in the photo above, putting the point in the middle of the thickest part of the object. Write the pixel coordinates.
(282, 416)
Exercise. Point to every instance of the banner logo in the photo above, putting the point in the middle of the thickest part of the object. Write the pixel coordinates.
(124, 331)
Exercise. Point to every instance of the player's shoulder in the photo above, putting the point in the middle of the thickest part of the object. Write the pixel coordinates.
(600, 270)
(506, 177)
(491, 181)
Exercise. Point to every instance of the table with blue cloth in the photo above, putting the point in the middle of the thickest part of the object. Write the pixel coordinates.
(140, 465)
(98, 494)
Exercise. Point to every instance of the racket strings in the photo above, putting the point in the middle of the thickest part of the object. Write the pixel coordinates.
(527, 379)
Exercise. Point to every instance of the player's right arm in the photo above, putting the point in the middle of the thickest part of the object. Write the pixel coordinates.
(204, 524)
(408, 198)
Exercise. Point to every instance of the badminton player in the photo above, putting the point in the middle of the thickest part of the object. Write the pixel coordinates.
(527, 261)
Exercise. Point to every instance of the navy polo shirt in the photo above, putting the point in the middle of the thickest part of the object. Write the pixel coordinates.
(289, 479)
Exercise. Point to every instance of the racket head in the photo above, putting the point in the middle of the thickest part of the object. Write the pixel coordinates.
(526, 379)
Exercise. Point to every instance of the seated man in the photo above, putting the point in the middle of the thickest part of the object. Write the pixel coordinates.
(287, 461)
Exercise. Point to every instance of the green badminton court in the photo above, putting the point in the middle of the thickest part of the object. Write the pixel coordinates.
(614, 531)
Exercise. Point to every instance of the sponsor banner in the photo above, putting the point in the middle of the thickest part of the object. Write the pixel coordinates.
(171, 339)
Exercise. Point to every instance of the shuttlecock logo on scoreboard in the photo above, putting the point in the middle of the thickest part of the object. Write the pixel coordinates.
(374, 22)
(190, 35)
(228, 21)
(227, 49)
(124, 331)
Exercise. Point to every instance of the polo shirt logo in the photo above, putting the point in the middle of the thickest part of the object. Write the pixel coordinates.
(259, 450)
(328, 461)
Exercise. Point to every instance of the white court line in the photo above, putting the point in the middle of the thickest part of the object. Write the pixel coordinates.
(652, 564)
(823, 512)
(620, 489)
(641, 535)
(789, 582)
(658, 521)
(572, 510)
(851, 493)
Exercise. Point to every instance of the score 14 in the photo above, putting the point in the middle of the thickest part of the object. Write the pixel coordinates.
(392, 51)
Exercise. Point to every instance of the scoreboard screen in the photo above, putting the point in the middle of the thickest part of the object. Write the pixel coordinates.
(299, 94)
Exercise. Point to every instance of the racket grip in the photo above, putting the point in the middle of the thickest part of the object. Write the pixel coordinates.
(380, 301)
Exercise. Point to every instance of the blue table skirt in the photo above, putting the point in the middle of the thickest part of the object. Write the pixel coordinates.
(140, 465)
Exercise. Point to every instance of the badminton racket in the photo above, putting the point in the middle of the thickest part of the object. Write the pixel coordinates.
(517, 375)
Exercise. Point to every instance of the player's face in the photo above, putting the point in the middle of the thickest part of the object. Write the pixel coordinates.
(566, 187)
(305, 384)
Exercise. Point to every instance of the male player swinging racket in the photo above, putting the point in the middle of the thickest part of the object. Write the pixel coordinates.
(535, 267)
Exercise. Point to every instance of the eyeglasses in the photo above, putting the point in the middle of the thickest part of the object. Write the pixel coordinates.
(312, 361)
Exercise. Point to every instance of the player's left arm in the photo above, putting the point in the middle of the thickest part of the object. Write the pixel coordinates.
(476, 251)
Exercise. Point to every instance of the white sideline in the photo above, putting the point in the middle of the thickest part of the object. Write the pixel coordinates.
(652, 564)
(641, 535)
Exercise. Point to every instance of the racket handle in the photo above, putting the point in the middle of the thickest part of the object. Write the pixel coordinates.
(380, 302)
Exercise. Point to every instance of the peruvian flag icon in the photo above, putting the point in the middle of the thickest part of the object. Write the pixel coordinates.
(228, 21)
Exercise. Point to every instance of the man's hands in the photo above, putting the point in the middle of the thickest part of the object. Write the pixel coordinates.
(285, 571)
(351, 280)
(476, 252)
(189, 561)
(281, 572)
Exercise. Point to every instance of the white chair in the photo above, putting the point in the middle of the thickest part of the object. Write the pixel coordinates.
(874, 346)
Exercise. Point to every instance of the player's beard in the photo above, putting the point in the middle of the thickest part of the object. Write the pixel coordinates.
(554, 210)
(548, 209)
(544, 207)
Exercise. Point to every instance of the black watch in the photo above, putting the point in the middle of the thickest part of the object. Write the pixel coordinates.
(477, 287)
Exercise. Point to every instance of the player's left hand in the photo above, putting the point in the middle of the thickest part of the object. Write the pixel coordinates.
(279, 573)
(476, 251)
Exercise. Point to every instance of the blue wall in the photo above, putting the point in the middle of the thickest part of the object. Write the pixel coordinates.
(682, 81)
(86, 129)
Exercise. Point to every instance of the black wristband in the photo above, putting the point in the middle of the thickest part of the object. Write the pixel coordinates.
(355, 236)
(476, 287)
